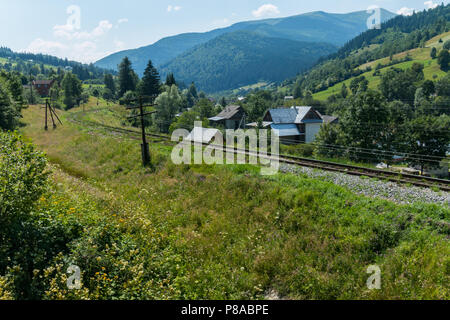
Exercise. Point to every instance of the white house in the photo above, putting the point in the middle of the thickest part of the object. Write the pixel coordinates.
(203, 135)
(296, 124)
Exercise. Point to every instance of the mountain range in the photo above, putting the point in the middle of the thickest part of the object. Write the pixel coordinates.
(298, 40)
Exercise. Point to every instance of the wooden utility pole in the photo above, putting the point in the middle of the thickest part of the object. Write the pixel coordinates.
(51, 113)
(46, 111)
(49, 109)
(31, 89)
(145, 148)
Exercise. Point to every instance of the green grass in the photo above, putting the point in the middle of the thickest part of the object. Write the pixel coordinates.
(431, 70)
(224, 232)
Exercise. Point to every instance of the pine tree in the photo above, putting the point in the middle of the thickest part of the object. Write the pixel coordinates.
(150, 84)
(72, 90)
(109, 83)
(127, 77)
(433, 53)
(223, 102)
(170, 80)
(344, 91)
(298, 91)
(444, 59)
(193, 91)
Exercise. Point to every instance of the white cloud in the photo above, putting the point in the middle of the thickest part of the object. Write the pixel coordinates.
(123, 20)
(221, 23)
(266, 10)
(430, 4)
(41, 46)
(171, 8)
(86, 51)
(68, 31)
(406, 11)
(119, 44)
(73, 43)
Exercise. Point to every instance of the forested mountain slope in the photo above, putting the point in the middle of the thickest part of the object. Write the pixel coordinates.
(241, 58)
(314, 27)
(27, 63)
(395, 36)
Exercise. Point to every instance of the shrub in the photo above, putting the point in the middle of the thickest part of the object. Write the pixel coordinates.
(301, 150)
(23, 179)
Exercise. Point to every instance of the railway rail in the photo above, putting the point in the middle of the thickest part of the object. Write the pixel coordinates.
(420, 181)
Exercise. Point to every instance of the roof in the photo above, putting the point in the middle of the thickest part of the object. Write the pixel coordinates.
(283, 115)
(285, 130)
(227, 113)
(203, 135)
(329, 119)
(292, 115)
(216, 119)
(43, 82)
(255, 124)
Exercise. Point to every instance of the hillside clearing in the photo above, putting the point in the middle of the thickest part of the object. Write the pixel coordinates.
(431, 70)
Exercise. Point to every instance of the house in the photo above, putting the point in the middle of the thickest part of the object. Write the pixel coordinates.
(43, 86)
(288, 98)
(296, 124)
(231, 117)
(203, 135)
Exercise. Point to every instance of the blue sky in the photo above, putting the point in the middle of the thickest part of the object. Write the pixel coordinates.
(87, 30)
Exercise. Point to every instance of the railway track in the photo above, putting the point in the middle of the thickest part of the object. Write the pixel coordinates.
(420, 181)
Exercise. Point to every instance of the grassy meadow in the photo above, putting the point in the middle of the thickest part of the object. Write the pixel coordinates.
(215, 232)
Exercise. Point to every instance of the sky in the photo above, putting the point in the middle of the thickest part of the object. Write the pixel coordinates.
(87, 30)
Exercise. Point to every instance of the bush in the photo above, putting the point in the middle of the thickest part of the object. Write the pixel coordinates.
(23, 179)
(301, 150)
(9, 111)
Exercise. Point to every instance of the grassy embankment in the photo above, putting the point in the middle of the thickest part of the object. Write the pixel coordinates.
(194, 232)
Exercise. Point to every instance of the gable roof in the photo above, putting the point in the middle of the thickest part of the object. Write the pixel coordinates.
(227, 113)
(296, 115)
(283, 115)
(329, 119)
(42, 82)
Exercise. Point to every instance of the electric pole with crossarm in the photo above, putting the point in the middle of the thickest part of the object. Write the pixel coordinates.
(145, 148)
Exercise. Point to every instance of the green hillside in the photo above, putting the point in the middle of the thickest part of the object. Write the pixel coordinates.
(313, 27)
(386, 46)
(431, 70)
(29, 63)
(242, 58)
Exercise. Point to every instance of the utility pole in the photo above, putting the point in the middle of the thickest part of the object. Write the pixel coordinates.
(145, 148)
(49, 109)
(51, 113)
(31, 89)
(46, 111)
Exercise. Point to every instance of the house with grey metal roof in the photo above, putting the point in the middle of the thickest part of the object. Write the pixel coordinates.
(231, 117)
(294, 125)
